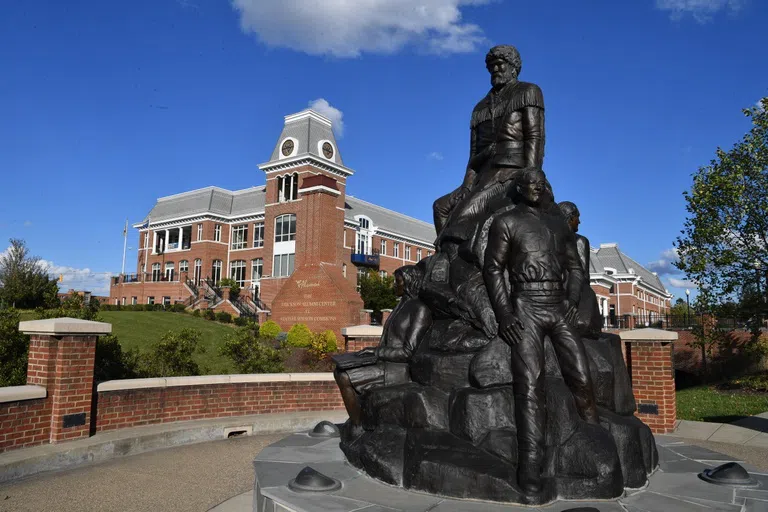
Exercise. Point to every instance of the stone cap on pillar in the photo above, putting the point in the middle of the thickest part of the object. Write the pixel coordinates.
(362, 331)
(65, 326)
(648, 335)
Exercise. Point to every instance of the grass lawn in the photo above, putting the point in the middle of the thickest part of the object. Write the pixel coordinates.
(705, 403)
(141, 329)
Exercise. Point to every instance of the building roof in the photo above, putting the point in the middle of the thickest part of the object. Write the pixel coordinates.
(391, 221)
(308, 129)
(609, 255)
(208, 200)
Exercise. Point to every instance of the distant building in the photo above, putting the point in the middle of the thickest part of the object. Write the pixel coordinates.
(624, 287)
(87, 296)
(297, 245)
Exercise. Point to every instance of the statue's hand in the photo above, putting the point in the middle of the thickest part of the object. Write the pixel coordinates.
(511, 330)
(367, 351)
(571, 313)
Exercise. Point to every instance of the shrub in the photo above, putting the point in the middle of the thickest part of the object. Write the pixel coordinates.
(331, 342)
(196, 313)
(112, 362)
(251, 353)
(172, 355)
(14, 347)
(299, 336)
(320, 345)
(209, 314)
(269, 329)
(224, 317)
(179, 308)
(241, 321)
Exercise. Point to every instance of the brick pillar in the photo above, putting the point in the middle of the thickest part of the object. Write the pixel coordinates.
(649, 361)
(365, 316)
(385, 316)
(61, 358)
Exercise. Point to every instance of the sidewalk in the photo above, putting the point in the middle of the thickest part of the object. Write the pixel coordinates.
(752, 431)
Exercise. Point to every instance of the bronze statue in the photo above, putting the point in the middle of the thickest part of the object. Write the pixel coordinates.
(507, 134)
(589, 322)
(536, 247)
(405, 327)
(482, 380)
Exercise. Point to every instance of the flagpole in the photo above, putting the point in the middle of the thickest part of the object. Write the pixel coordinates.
(125, 245)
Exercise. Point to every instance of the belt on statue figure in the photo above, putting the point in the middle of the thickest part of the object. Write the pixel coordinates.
(537, 286)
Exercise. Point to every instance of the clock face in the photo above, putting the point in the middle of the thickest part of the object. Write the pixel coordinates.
(287, 147)
(328, 150)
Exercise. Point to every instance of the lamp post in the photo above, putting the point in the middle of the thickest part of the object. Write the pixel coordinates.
(687, 308)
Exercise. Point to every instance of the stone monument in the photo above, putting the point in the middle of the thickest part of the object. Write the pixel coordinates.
(493, 380)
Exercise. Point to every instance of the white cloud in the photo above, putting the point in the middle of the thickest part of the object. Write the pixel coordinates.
(682, 283)
(665, 264)
(79, 278)
(322, 107)
(700, 10)
(435, 155)
(348, 28)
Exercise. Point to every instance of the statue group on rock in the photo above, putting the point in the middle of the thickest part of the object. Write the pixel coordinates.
(492, 379)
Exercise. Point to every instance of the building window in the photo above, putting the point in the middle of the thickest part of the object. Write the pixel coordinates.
(166, 301)
(198, 271)
(363, 237)
(257, 269)
(287, 187)
(156, 272)
(237, 272)
(382, 274)
(240, 237)
(123, 301)
(146, 240)
(344, 269)
(361, 272)
(258, 234)
(285, 228)
(134, 301)
(199, 231)
(396, 250)
(216, 271)
(217, 233)
(169, 271)
(283, 265)
(183, 266)
(150, 300)
(383, 247)
(408, 252)
(429, 253)
(418, 254)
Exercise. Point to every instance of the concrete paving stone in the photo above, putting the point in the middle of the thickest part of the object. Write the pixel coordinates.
(276, 474)
(667, 455)
(327, 450)
(654, 502)
(299, 439)
(696, 429)
(734, 434)
(682, 466)
(700, 454)
(602, 506)
(367, 489)
(667, 440)
(755, 423)
(687, 485)
(240, 503)
(312, 502)
(451, 505)
(751, 505)
(378, 508)
(755, 494)
(759, 441)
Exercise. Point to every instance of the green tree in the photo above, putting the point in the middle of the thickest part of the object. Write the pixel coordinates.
(252, 353)
(377, 292)
(24, 280)
(724, 242)
(14, 347)
(172, 356)
(112, 362)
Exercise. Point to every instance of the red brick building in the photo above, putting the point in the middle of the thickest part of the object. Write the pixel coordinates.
(295, 245)
(624, 287)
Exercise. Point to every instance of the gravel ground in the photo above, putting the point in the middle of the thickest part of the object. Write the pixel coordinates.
(186, 478)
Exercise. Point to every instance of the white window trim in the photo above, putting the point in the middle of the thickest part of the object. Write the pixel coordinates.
(320, 150)
(280, 155)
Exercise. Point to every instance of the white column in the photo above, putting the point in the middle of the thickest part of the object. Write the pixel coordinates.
(154, 242)
(165, 243)
(181, 234)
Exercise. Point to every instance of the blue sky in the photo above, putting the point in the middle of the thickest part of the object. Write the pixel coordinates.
(106, 106)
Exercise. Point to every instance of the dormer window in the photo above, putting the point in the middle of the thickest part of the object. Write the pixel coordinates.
(326, 149)
(288, 147)
(287, 187)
